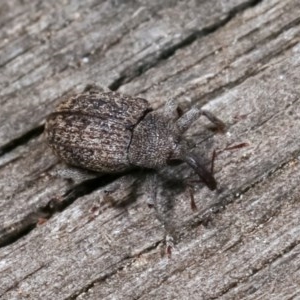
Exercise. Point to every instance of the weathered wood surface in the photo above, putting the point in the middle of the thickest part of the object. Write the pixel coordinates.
(241, 59)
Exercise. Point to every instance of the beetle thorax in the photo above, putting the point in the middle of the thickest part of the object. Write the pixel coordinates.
(155, 141)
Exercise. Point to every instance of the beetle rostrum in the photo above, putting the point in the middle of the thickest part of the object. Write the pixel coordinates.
(108, 132)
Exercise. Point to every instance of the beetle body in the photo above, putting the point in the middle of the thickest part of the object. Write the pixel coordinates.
(108, 132)
(94, 130)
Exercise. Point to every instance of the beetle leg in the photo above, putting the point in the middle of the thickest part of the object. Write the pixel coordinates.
(169, 240)
(163, 210)
(192, 115)
(151, 189)
(172, 110)
(162, 205)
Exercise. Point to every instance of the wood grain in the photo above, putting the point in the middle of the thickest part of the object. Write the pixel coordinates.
(238, 59)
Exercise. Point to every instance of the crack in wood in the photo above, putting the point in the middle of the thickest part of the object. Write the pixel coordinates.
(227, 199)
(15, 285)
(253, 271)
(133, 72)
(23, 227)
(125, 262)
(25, 138)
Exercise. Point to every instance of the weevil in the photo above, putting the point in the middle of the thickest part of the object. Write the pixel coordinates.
(108, 132)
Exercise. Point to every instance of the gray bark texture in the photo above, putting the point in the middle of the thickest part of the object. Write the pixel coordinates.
(239, 59)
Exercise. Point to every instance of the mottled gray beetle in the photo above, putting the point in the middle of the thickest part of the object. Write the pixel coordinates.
(108, 132)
